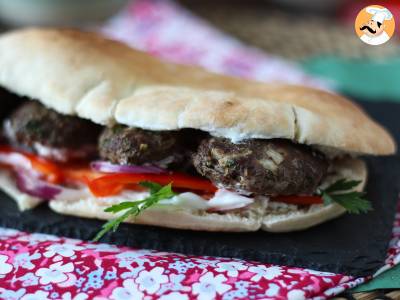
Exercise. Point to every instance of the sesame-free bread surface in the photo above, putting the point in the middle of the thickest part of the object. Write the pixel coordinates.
(85, 74)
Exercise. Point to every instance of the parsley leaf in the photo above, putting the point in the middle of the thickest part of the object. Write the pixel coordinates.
(339, 192)
(152, 186)
(133, 209)
(353, 202)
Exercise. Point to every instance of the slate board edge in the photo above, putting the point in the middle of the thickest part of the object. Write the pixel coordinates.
(173, 245)
(251, 256)
(370, 106)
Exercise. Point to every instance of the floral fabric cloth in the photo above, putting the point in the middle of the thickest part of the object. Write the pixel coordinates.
(164, 29)
(42, 267)
(38, 266)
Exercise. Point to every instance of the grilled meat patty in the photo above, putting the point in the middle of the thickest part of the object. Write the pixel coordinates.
(37, 129)
(133, 146)
(263, 167)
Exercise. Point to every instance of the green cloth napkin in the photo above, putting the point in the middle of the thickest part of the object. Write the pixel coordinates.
(387, 280)
(362, 78)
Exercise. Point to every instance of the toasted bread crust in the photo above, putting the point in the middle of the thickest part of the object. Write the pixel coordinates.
(105, 81)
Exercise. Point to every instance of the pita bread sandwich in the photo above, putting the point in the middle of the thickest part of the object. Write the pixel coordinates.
(99, 130)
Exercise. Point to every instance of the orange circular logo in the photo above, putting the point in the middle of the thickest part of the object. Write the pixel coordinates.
(375, 25)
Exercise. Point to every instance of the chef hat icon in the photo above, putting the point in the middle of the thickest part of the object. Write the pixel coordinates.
(379, 14)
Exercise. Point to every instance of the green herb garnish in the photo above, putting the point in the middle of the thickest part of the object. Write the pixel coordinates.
(339, 192)
(133, 209)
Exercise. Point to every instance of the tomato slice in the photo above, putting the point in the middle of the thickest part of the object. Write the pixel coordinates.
(80, 173)
(100, 184)
(299, 200)
(110, 185)
(15, 159)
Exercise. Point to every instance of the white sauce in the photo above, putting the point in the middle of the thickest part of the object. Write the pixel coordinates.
(8, 130)
(44, 151)
(69, 194)
(62, 154)
(223, 200)
(226, 200)
(236, 134)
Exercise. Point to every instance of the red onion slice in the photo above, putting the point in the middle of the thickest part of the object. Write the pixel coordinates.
(17, 160)
(35, 187)
(107, 167)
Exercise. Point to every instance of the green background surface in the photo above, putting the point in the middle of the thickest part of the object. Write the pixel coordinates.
(373, 80)
(388, 280)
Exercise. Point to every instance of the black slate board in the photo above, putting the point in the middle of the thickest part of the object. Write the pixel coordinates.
(352, 245)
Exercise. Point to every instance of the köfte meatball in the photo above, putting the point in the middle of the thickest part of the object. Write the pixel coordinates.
(263, 167)
(133, 146)
(43, 131)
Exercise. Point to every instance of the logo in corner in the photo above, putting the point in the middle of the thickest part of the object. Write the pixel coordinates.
(375, 25)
